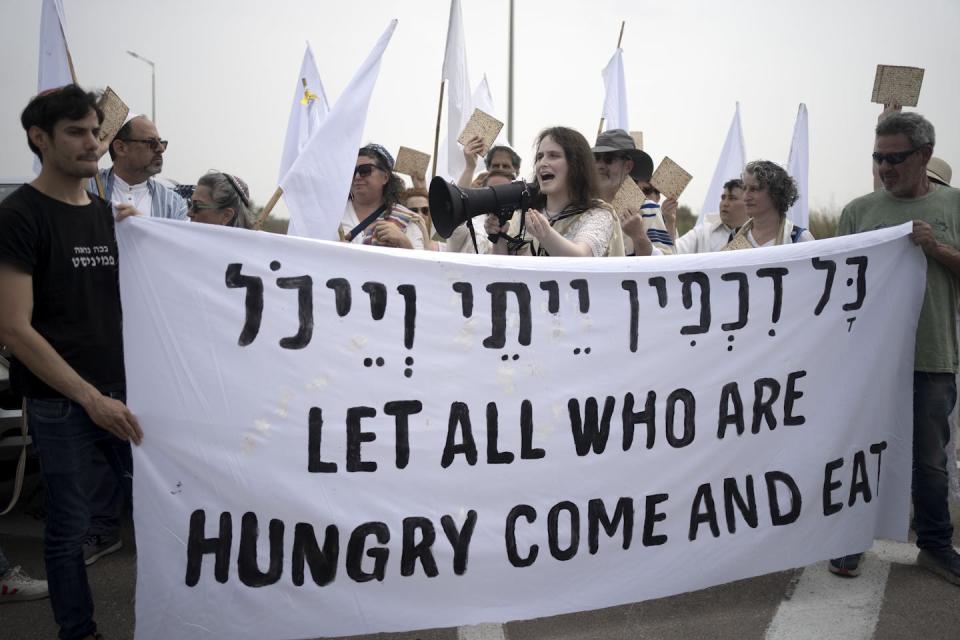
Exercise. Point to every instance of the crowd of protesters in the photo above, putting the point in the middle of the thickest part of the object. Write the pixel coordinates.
(63, 324)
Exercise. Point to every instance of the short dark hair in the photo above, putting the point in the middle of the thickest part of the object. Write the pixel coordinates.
(47, 108)
(775, 180)
(735, 183)
(122, 134)
(514, 158)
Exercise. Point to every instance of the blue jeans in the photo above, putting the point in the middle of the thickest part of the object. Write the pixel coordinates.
(934, 395)
(106, 495)
(65, 437)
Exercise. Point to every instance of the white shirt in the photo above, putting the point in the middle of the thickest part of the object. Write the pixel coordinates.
(709, 236)
(137, 194)
(805, 236)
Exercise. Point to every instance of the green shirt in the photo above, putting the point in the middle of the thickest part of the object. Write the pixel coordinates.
(937, 328)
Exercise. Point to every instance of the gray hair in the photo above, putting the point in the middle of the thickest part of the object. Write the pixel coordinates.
(229, 191)
(775, 180)
(913, 125)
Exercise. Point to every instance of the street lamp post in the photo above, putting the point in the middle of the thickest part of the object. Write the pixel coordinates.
(153, 85)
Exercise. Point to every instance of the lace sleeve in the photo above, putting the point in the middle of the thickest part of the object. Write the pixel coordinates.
(594, 228)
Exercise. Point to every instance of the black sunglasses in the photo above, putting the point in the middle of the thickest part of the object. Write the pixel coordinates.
(421, 210)
(608, 157)
(364, 170)
(155, 144)
(894, 158)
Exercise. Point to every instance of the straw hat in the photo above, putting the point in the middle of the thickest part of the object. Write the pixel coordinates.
(939, 171)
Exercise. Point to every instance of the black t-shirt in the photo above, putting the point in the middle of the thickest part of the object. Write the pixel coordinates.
(71, 252)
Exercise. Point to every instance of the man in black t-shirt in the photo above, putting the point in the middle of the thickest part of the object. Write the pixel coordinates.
(60, 316)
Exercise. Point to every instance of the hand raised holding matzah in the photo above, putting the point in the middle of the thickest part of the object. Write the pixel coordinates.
(889, 110)
(670, 179)
(481, 125)
(472, 150)
(412, 163)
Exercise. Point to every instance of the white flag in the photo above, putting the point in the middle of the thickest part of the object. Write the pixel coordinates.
(450, 162)
(798, 166)
(53, 69)
(308, 109)
(483, 100)
(53, 64)
(615, 98)
(317, 185)
(729, 166)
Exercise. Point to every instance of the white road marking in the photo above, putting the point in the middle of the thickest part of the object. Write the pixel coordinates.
(826, 606)
(481, 632)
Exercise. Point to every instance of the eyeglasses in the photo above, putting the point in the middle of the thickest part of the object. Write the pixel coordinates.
(196, 206)
(608, 158)
(894, 158)
(364, 170)
(155, 144)
(421, 210)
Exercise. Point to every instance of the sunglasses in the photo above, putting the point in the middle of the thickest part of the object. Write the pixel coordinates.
(421, 210)
(894, 158)
(197, 207)
(155, 144)
(608, 158)
(364, 170)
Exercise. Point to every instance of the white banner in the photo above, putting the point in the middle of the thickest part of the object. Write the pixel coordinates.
(342, 439)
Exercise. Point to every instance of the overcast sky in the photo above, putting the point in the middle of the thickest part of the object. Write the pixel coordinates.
(226, 70)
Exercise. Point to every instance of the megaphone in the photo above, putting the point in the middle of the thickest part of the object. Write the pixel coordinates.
(451, 206)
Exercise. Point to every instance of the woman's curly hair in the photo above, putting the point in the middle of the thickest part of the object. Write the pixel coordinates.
(775, 180)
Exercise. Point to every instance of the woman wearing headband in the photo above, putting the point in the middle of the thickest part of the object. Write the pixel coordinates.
(569, 222)
(221, 198)
(374, 214)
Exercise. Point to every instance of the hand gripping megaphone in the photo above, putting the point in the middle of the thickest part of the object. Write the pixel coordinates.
(451, 206)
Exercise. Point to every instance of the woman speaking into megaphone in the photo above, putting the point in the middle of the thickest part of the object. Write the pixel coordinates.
(568, 221)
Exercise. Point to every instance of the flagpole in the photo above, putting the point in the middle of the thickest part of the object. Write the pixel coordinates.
(623, 23)
(436, 137)
(66, 47)
(267, 208)
(510, 82)
(101, 191)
